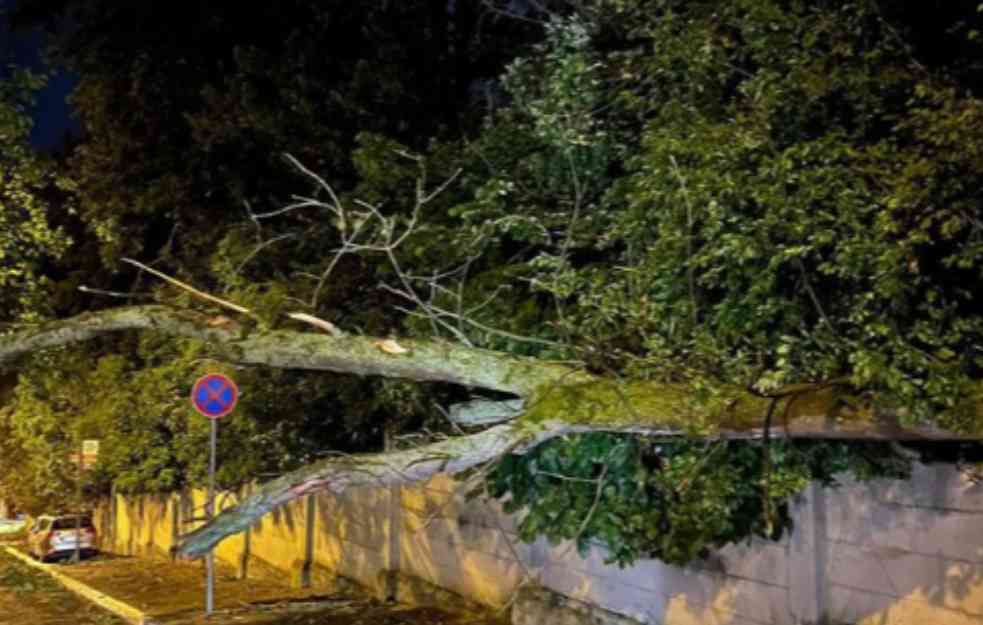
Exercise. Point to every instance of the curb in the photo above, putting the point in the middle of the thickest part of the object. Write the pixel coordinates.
(123, 610)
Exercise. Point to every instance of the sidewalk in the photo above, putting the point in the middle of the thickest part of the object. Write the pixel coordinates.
(172, 593)
(161, 589)
(164, 590)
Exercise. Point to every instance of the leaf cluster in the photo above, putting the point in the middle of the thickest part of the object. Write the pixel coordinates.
(30, 188)
(674, 500)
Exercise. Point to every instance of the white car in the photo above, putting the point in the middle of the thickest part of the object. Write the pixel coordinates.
(55, 536)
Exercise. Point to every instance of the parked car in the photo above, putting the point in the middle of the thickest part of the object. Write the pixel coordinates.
(52, 537)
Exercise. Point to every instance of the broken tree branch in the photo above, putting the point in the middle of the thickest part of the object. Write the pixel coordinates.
(553, 390)
(336, 475)
(423, 360)
(190, 289)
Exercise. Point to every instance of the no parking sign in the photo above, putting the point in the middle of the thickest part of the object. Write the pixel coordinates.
(214, 395)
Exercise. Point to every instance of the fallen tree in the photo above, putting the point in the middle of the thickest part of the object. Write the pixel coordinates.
(557, 399)
(551, 390)
(738, 245)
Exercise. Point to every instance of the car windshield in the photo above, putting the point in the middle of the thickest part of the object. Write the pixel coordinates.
(68, 523)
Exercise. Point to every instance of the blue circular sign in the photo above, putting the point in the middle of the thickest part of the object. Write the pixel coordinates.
(214, 395)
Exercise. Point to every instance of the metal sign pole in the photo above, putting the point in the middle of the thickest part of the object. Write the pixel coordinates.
(214, 396)
(210, 513)
(77, 556)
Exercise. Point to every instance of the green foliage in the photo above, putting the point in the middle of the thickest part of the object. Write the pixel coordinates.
(751, 195)
(37, 472)
(21, 579)
(29, 182)
(136, 401)
(674, 500)
(185, 121)
(780, 186)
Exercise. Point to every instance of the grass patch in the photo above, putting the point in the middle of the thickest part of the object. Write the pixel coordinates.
(21, 579)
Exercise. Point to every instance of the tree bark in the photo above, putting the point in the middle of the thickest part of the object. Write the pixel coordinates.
(335, 475)
(423, 361)
(482, 412)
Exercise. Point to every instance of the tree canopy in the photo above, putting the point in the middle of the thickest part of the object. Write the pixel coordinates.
(28, 238)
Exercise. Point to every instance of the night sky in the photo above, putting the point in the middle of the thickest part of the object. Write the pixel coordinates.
(52, 117)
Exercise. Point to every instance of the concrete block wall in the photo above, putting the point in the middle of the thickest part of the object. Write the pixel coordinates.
(352, 535)
(887, 552)
(468, 547)
(906, 552)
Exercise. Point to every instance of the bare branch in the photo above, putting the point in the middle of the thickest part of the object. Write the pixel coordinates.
(321, 181)
(252, 218)
(578, 192)
(598, 491)
(690, 269)
(86, 289)
(812, 296)
(410, 293)
(460, 336)
(435, 313)
(440, 189)
(187, 287)
(565, 478)
(259, 248)
(305, 203)
(488, 300)
(388, 237)
(323, 278)
(493, 8)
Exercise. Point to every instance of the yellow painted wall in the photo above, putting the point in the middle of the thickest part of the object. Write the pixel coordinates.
(887, 552)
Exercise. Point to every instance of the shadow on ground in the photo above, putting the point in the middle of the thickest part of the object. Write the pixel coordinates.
(332, 611)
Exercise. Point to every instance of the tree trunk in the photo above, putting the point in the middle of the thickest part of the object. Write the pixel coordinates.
(423, 361)
(551, 390)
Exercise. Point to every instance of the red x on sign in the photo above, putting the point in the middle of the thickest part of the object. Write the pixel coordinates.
(214, 395)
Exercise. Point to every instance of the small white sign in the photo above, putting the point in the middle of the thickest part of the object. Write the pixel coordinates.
(90, 454)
